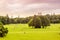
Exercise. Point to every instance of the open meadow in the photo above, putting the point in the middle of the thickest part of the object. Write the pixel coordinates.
(23, 32)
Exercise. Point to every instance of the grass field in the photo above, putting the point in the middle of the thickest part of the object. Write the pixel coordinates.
(23, 32)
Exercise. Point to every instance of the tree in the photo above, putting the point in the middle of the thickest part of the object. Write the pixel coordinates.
(7, 19)
(45, 21)
(3, 31)
(18, 19)
(48, 16)
(3, 20)
(35, 22)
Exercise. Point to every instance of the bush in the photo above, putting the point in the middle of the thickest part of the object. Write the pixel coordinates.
(3, 31)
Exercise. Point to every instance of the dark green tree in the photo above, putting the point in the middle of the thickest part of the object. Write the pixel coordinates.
(7, 19)
(35, 22)
(3, 31)
(45, 21)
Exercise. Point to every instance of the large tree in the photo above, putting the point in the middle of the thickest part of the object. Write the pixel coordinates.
(45, 21)
(35, 22)
(7, 19)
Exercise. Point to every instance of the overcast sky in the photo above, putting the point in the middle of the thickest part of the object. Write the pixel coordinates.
(25, 8)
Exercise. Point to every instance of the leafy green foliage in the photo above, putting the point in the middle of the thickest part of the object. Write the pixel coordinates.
(54, 18)
(7, 20)
(45, 21)
(3, 31)
(35, 22)
(38, 21)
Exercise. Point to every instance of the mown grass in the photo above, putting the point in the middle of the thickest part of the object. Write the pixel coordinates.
(24, 32)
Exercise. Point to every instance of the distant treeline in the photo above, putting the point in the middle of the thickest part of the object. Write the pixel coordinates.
(7, 20)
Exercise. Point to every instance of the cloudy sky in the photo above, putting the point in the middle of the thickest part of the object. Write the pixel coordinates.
(25, 8)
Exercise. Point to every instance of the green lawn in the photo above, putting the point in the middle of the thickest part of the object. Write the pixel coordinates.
(23, 32)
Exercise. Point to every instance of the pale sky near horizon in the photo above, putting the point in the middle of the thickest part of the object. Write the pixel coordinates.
(25, 8)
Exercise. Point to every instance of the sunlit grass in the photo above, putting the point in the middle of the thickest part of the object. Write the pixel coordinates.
(23, 32)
